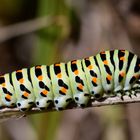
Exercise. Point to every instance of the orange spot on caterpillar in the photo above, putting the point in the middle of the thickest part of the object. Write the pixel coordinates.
(8, 96)
(21, 80)
(109, 77)
(94, 79)
(40, 78)
(122, 74)
(76, 72)
(59, 75)
(122, 50)
(64, 90)
(3, 84)
(19, 71)
(136, 76)
(38, 67)
(74, 62)
(58, 64)
(87, 58)
(80, 86)
(103, 52)
(105, 62)
(90, 67)
(25, 94)
(122, 58)
(44, 92)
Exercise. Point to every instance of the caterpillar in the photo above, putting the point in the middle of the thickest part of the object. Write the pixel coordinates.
(114, 72)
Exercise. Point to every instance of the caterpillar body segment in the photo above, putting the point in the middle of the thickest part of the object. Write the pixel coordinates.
(93, 76)
(23, 89)
(115, 72)
(78, 82)
(60, 85)
(106, 70)
(8, 98)
(133, 74)
(42, 87)
(120, 62)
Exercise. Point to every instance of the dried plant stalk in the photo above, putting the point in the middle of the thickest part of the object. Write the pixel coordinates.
(8, 113)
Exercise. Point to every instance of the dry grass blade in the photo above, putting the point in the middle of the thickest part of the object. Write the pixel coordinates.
(22, 28)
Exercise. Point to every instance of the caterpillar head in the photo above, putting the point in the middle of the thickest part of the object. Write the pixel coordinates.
(24, 105)
(43, 103)
(82, 99)
(62, 102)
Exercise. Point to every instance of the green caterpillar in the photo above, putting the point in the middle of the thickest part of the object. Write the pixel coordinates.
(108, 73)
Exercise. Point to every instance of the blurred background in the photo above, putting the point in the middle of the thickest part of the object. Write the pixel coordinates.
(47, 31)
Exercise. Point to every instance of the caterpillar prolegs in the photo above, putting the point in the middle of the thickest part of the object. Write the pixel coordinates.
(115, 72)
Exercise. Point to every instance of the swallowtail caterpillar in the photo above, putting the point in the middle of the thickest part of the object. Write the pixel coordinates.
(108, 73)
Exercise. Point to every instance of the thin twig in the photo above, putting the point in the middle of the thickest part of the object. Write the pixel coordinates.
(8, 113)
(22, 28)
